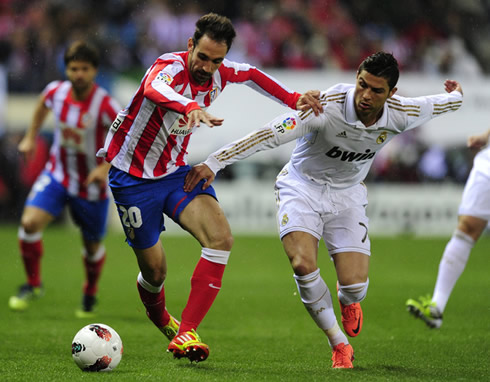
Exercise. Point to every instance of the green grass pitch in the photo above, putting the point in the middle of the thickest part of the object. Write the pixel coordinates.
(257, 329)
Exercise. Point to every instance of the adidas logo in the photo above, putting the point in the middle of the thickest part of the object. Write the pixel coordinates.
(343, 134)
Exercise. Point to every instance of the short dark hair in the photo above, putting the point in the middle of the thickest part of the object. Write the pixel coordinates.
(382, 64)
(218, 28)
(82, 51)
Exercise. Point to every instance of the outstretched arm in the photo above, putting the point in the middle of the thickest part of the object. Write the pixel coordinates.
(285, 128)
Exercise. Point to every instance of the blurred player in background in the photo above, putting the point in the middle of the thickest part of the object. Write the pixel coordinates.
(474, 214)
(320, 193)
(73, 175)
(147, 147)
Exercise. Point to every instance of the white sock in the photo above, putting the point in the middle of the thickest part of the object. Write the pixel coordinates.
(336, 336)
(318, 302)
(452, 264)
(350, 294)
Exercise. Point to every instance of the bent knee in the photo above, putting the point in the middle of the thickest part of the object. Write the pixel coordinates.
(303, 265)
(222, 241)
(30, 225)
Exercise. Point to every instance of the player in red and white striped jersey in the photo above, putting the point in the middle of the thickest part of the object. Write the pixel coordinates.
(147, 147)
(150, 137)
(80, 130)
(73, 175)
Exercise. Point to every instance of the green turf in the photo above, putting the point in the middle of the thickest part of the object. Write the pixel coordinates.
(257, 330)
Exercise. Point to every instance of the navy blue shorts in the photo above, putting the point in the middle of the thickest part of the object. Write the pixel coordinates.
(141, 203)
(49, 195)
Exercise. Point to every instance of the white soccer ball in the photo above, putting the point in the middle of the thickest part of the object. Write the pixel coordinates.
(97, 347)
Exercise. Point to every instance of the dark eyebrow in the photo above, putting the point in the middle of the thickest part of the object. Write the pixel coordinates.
(375, 89)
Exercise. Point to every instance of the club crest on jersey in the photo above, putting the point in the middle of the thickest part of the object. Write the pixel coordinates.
(288, 124)
(381, 138)
(165, 77)
(86, 119)
(284, 220)
(213, 94)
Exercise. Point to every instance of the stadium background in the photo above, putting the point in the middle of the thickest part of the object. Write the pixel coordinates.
(415, 184)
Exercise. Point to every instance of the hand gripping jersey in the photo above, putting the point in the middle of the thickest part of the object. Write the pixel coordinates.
(336, 148)
(80, 129)
(149, 138)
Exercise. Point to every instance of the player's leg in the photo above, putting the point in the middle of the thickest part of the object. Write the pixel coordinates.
(474, 213)
(205, 220)
(352, 274)
(452, 264)
(91, 218)
(300, 226)
(347, 240)
(455, 257)
(93, 259)
(45, 202)
(140, 211)
(199, 213)
(302, 249)
(150, 283)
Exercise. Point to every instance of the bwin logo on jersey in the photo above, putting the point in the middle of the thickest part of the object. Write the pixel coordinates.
(349, 156)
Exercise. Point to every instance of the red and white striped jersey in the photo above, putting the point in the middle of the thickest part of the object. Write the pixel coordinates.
(149, 138)
(80, 129)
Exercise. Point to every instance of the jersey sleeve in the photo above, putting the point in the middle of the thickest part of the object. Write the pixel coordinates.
(108, 110)
(434, 106)
(48, 93)
(259, 81)
(160, 84)
(283, 129)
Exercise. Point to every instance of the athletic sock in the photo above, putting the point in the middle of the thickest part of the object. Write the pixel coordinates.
(93, 269)
(153, 299)
(31, 249)
(205, 285)
(317, 300)
(451, 267)
(336, 336)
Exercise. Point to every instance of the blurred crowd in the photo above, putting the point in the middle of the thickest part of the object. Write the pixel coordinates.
(449, 37)
(432, 36)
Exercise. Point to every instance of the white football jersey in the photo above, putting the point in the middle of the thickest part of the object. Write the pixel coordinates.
(336, 148)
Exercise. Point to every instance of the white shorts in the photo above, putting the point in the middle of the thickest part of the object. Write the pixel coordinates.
(476, 195)
(337, 216)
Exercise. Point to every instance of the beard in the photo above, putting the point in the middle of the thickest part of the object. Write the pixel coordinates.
(201, 77)
(80, 86)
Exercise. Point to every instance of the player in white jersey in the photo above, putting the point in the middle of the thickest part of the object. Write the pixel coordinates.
(473, 217)
(320, 193)
(73, 175)
(147, 147)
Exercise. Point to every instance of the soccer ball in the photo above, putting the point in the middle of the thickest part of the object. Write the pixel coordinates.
(97, 347)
